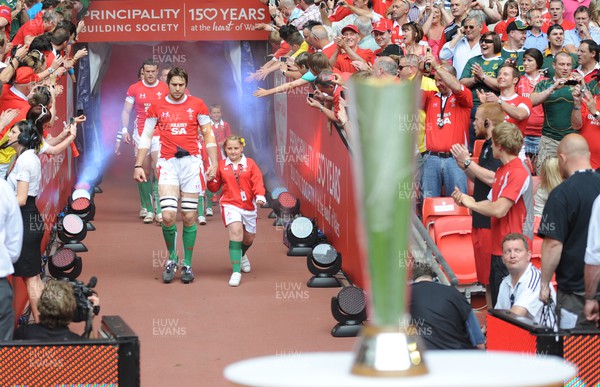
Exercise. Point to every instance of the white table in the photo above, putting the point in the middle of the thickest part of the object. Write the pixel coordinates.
(446, 369)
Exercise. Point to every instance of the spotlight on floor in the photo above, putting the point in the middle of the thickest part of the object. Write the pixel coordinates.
(286, 207)
(300, 236)
(349, 309)
(274, 195)
(65, 264)
(71, 229)
(324, 262)
(81, 203)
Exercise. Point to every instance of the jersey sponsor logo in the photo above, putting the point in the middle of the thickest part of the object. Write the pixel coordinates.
(142, 96)
(178, 129)
(165, 114)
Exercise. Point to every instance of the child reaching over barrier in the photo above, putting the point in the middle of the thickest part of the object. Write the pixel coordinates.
(243, 189)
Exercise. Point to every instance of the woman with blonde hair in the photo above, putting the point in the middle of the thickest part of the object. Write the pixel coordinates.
(434, 26)
(550, 178)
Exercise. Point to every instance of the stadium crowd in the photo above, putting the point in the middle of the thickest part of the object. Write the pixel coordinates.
(509, 111)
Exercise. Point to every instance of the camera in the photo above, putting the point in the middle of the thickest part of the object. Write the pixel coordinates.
(571, 82)
(311, 95)
(283, 59)
(437, 3)
(82, 292)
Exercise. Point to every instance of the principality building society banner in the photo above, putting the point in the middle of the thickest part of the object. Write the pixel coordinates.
(175, 20)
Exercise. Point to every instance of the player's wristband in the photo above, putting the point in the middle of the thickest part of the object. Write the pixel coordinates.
(124, 130)
(137, 166)
(211, 145)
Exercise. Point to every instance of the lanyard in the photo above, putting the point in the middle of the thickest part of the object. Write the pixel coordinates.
(237, 174)
(443, 102)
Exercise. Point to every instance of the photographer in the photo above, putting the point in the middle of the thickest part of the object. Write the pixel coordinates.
(57, 306)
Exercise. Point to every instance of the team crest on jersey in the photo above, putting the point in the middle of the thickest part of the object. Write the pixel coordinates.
(190, 113)
(159, 95)
(142, 95)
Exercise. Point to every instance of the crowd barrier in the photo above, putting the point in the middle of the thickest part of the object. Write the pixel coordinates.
(315, 165)
(508, 332)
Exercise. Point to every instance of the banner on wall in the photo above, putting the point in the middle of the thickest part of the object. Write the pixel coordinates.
(57, 170)
(175, 20)
(316, 167)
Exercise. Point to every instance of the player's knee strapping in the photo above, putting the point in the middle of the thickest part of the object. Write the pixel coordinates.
(188, 204)
(168, 203)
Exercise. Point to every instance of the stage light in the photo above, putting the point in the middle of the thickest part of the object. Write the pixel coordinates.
(324, 262)
(82, 204)
(286, 207)
(300, 236)
(65, 264)
(349, 309)
(71, 229)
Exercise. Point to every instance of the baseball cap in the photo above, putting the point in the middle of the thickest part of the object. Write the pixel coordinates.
(350, 27)
(517, 25)
(382, 26)
(25, 75)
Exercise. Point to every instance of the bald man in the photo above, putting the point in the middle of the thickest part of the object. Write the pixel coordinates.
(385, 67)
(564, 227)
(321, 42)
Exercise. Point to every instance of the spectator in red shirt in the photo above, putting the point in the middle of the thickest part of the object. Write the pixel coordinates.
(556, 11)
(36, 27)
(516, 107)
(447, 123)
(510, 13)
(348, 51)
(321, 42)
(588, 55)
(399, 17)
(5, 20)
(585, 117)
(382, 34)
(511, 205)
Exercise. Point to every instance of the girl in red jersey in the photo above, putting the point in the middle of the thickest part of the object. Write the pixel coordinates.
(243, 189)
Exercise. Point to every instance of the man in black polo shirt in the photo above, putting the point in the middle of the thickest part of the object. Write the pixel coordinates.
(564, 227)
(482, 173)
(441, 315)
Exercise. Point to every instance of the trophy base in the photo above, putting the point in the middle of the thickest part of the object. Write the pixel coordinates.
(388, 352)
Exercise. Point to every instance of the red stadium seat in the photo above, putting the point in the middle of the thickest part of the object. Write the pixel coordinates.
(434, 208)
(477, 146)
(453, 238)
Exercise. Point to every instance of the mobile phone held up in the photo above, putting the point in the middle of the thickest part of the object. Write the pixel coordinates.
(311, 95)
(427, 65)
